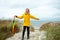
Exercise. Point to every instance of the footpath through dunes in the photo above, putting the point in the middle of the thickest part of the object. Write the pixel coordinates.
(36, 35)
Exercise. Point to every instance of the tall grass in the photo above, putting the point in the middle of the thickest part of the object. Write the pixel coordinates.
(52, 30)
(5, 28)
(46, 26)
(53, 33)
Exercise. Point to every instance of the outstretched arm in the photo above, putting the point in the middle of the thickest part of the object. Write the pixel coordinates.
(19, 16)
(34, 17)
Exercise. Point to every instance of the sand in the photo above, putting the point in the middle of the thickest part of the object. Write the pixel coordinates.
(36, 35)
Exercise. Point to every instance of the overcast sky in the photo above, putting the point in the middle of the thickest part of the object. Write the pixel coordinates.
(38, 8)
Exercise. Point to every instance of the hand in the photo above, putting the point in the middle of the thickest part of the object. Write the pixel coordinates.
(15, 16)
(37, 18)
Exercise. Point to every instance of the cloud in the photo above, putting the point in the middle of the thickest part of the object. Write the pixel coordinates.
(18, 3)
(39, 8)
(44, 12)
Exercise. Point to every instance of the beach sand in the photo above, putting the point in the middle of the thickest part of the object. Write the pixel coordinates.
(36, 35)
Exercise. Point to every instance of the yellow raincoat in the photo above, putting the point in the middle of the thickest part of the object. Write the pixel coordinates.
(26, 19)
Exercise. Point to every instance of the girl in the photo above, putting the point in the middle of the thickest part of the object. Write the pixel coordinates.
(26, 24)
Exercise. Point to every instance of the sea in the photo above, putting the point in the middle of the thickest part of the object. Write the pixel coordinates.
(38, 23)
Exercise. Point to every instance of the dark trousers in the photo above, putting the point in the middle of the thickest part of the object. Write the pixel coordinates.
(28, 32)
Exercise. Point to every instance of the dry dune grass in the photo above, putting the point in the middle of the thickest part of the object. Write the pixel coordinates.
(47, 25)
(5, 28)
(32, 29)
(52, 29)
(53, 33)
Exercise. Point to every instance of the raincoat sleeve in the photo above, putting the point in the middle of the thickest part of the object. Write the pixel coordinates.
(20, 16)
(33, 17)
